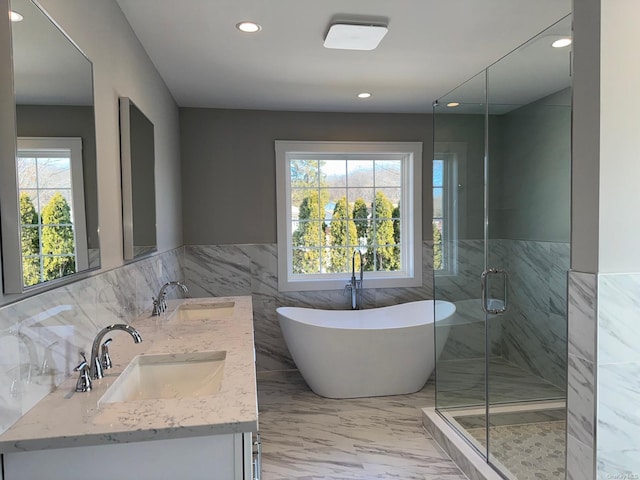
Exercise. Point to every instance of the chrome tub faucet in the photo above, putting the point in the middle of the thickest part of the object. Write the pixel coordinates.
(354, 285)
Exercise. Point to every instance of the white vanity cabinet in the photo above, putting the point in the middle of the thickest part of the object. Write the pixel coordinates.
(216, 457)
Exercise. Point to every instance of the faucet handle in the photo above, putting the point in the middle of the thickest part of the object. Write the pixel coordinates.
(84, 380)
(156, 307)
(347, 289)
(106, 358)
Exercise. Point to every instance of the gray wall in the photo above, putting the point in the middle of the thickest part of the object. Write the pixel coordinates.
(68, 121)
(467, 128)
(228, 165)
(530, 171)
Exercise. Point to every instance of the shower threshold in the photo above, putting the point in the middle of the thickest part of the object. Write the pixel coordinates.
(526, 439)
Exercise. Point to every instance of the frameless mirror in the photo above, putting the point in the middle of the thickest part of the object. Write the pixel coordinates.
(137, 157)
(49, 200)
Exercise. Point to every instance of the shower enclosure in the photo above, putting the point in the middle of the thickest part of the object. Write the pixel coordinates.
(501, 188)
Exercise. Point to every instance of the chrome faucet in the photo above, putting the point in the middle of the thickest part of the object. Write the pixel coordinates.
(355, 286)
(160, 303)
(98, 363)
(84, 380)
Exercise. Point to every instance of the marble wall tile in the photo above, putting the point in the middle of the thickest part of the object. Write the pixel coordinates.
(535, 331)
(618, 443)
(580, 464)
(618, 325)
(217, 270)
(583, 315)
(464, 282)
(581, 399)
(41, 336)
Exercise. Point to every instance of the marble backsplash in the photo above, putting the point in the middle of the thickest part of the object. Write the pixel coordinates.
(41, 336)
(215, 270)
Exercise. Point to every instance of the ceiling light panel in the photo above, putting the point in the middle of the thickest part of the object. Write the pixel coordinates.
(346, 36)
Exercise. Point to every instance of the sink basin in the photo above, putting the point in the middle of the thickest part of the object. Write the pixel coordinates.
(204, 311)
(168, 376)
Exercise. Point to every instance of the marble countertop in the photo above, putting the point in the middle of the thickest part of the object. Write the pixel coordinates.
(65, 418)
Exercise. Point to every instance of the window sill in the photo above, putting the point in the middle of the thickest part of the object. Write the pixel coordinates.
(339, 284)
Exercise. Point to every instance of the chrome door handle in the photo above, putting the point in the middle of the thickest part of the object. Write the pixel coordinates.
(483, 284)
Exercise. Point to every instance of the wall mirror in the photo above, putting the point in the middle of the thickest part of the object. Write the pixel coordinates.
(137, 157)
(50, 211)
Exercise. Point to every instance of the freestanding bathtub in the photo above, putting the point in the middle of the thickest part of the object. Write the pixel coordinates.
(365, 353)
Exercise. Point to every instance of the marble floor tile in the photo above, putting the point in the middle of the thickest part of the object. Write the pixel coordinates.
(307, 437)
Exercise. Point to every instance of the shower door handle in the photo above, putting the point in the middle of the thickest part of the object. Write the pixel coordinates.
(483, 283)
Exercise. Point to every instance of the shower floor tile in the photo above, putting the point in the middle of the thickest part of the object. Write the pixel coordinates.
(534, 451)
(307, 437)
(463, 383)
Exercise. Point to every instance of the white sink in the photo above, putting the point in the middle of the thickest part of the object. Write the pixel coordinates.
(204, 311)
(168, 376)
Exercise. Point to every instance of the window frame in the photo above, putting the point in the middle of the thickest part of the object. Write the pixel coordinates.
(410, 153)
(35, 147)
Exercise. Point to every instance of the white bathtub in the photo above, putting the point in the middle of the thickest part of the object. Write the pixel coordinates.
(364, 353)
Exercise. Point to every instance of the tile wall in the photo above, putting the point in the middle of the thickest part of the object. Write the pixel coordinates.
(533, 332)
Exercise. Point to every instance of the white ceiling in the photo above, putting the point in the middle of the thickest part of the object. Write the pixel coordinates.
(431, 46)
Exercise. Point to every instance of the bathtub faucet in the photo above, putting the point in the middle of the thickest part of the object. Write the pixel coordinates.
(355, 286)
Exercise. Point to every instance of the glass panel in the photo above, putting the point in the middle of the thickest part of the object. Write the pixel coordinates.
(54, 173)
(334, 172)
(305, 203)
(304, 173)
(529, 184)
(459, 134)
(392, 195)
(360, 173)
(27, 173)
(306, 260)
(388, 173)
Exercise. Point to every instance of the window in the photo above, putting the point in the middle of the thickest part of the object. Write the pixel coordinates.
(448, 169)
(342, 201)
(52, 225)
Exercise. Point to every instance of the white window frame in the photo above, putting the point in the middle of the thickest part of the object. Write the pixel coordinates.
(55, 146)
(410, 272)
(454, 155)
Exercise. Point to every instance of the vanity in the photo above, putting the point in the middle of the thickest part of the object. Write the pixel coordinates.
(129, 426)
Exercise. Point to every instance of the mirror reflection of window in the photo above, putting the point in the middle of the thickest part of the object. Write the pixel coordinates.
(445, 188)
(51, 196)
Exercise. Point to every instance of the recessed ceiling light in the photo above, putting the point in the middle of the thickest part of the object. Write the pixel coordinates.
(346, 36)
(453, 104)
(562, 42)
(15, 16)
(248, 27)
(364, 95)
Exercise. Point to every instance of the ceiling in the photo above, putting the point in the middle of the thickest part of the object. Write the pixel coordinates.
(431, 47)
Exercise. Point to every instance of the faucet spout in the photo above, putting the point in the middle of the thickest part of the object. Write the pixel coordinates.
(160, 304)
(96, 361)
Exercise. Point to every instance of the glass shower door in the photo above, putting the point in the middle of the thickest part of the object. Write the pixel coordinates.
(459, 250)
(528, 225)
(501, 189)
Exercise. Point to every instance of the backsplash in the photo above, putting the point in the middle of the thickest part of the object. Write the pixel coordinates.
(41, 336)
